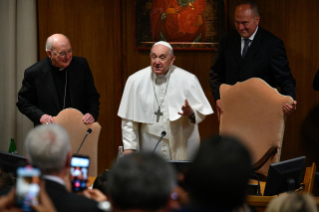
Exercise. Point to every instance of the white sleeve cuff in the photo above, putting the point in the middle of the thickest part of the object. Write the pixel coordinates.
(130, 134)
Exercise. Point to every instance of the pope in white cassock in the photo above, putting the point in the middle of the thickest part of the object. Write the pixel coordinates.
(163, 97)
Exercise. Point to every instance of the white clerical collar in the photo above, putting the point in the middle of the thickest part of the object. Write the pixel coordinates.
(252, 36)
(60, 69)
(54, 178)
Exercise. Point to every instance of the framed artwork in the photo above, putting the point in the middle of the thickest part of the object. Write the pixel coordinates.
(185, 24)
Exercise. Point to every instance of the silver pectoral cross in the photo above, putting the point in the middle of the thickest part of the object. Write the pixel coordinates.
(158, 113)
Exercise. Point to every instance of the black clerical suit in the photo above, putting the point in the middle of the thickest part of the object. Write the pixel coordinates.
(45, 92)
(266, 59)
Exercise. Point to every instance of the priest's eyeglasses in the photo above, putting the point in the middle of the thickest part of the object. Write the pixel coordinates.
(63, 54)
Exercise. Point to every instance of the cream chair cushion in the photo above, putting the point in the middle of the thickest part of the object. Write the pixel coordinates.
(71, 120)
(253, 113)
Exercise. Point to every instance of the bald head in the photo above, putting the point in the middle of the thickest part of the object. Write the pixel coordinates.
(55, 38)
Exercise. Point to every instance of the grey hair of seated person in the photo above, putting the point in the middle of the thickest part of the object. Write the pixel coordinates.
(219, 174)
(47, 147)
(142, 181)
(292, 202)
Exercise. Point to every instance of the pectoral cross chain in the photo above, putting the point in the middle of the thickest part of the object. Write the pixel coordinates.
(158, 113)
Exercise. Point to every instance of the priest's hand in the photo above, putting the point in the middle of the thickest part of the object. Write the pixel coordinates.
(219, 109)
(88, 119)
(187, 110)
(46, 119)
(128, 151)
(289, 109)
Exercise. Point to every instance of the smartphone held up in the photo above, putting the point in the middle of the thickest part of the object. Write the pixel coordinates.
(79, 172)
(27, 187)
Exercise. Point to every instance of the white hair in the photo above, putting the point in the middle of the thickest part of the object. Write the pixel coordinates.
(49, 44)
(47, 147)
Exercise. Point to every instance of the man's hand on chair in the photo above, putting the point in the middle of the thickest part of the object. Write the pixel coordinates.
(88, 119)
(289, 109)
(46, 119)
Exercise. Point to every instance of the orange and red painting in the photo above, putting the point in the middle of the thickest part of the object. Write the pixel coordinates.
(185, 24)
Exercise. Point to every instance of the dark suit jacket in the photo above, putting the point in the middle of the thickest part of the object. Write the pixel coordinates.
(266, 59)
(39, 96)
(66, 201)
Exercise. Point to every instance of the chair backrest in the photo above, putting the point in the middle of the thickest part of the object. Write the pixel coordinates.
(71, 120)
(253, 113)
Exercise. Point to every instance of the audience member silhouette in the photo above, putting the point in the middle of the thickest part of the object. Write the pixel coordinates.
(141, 181)
(218, 177)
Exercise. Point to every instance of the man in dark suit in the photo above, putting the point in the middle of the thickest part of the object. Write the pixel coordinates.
(250, 51)
(48, 148)
(58, 82)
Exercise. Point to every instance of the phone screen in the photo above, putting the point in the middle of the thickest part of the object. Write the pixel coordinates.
(79, 172)
(27, 187)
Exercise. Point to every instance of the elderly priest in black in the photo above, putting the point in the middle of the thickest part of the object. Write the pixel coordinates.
(57, 82)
